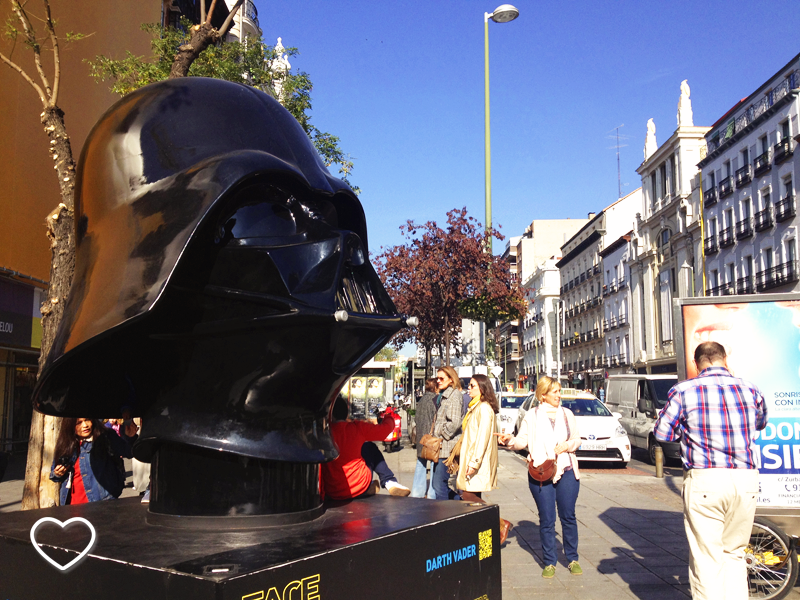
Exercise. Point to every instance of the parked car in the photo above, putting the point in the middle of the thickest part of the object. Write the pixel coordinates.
(604, 439)
(510, 403)
(639, 399)
(526, 406)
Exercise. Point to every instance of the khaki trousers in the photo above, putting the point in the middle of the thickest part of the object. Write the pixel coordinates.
(718, 510)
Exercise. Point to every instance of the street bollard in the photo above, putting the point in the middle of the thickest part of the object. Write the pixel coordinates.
(659, 462)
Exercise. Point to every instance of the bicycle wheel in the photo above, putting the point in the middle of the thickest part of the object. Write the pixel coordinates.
(771, 565)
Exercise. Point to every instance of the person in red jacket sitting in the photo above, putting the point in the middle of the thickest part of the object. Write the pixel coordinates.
(350, 475)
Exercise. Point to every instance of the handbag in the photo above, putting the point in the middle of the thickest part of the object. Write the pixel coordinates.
(431, 446)
(451, 462)
(544, 472)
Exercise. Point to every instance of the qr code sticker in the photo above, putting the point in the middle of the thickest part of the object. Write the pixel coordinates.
(485, 543)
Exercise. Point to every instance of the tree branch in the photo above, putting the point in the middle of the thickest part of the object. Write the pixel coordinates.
(30, 34)
(202, 10)
(227, 22)
(25, 76)
(210, 12)
(56, 53)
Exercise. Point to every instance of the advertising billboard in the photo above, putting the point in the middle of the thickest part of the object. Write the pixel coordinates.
(761, 336)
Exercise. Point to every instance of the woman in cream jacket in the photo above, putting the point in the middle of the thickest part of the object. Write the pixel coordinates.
(477, 463)
(550, 432)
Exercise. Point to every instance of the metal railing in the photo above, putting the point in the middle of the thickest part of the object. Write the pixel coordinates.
(744, 285)
(785, 208)
(710, 245)
(726, 237)
(744, 229)
(762, 164)
(251, 12)
(783, 150)
(744, 176)
(710, 197)
(776, 276)
(725, 187)
(763, 219)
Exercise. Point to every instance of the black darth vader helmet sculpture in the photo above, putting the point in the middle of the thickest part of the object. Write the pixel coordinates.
(222, 286)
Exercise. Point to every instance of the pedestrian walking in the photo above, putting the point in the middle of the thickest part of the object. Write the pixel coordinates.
(550, 433)
(716, 416)
(447, 426)
(426, 413)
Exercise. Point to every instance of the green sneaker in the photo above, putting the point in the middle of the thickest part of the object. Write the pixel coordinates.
(575, 568)
(549, 572)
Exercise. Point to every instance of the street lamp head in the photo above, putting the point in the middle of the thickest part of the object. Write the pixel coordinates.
(504, 13)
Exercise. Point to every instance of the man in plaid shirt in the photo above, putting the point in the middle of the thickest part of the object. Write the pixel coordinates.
(717, 416)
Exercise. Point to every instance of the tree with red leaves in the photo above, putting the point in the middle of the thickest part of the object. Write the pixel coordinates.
(442, 275)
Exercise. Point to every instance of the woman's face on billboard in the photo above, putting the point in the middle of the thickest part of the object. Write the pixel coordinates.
(712, 323)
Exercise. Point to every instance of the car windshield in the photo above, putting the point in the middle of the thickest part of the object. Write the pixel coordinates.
(586, 407)
(511, 401)
(662, 387)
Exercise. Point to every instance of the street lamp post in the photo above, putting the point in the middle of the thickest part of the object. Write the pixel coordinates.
(502, 14)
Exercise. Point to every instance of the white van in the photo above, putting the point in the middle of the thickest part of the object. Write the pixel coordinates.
(639, 399)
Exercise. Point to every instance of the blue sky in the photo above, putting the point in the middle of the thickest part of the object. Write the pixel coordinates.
(402, 86)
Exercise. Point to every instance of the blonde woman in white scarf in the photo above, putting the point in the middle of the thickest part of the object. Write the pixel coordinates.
(550, 432)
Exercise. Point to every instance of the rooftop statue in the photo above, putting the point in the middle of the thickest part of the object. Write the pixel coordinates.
(650, 144)
(685, 117)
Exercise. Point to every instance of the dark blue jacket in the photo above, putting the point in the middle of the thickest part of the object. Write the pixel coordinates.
(101, 476)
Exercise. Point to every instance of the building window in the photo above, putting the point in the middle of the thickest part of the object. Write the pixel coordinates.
(673, 180)
(714, 278)
(731, 273)
(767, 258)
(745, 209)
(765, 198)
(763, 141)
(785, 133)
(662, 171)
(745, 155)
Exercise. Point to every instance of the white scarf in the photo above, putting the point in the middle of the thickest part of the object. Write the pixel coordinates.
(543, 437)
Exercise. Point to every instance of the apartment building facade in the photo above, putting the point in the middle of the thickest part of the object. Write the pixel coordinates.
(749, 177)
(616, 323)
(667, 240)
(581, 307)
(540, 327)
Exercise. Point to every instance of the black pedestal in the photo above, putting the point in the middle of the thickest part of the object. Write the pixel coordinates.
(380, 547)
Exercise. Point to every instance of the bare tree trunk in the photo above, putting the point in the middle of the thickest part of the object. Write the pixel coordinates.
(39, 491)
(446, 341)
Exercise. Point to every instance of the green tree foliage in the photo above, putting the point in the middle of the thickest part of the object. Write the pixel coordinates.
(387, 353)
(241, 62)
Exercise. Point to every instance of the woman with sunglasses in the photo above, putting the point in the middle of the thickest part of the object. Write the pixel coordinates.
(449, 409)
(477, 462)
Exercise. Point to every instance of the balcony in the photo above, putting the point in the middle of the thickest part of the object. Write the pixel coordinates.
(776, 276)
(761, 164)
(596, 270)
(744, 229)
(595, 301)
(784, 209)
(623, 320)
(710, 197)
(571, 285)
(622, 283)
(612, 288)
(726, 237)
(251, 12)
(589, 273)
(725, 187)
(744, 285)
(763, 219)
(612, 323)
(710, 245)
(622, 359)
(606, 292)
(744, 176)
(783, 150)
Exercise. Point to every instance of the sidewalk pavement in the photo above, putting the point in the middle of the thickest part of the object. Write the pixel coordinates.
(632, 542)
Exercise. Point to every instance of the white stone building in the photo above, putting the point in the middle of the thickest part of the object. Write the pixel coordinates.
(581, 273)
(667, 240)
(749, 176)
(616, 304)
(539, 331)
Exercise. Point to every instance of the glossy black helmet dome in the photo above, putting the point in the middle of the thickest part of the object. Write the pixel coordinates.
(214, 250)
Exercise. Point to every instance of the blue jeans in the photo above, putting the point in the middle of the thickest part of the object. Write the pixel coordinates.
(563, 495)
(420, 485)
(374, 459)
(439, 479)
